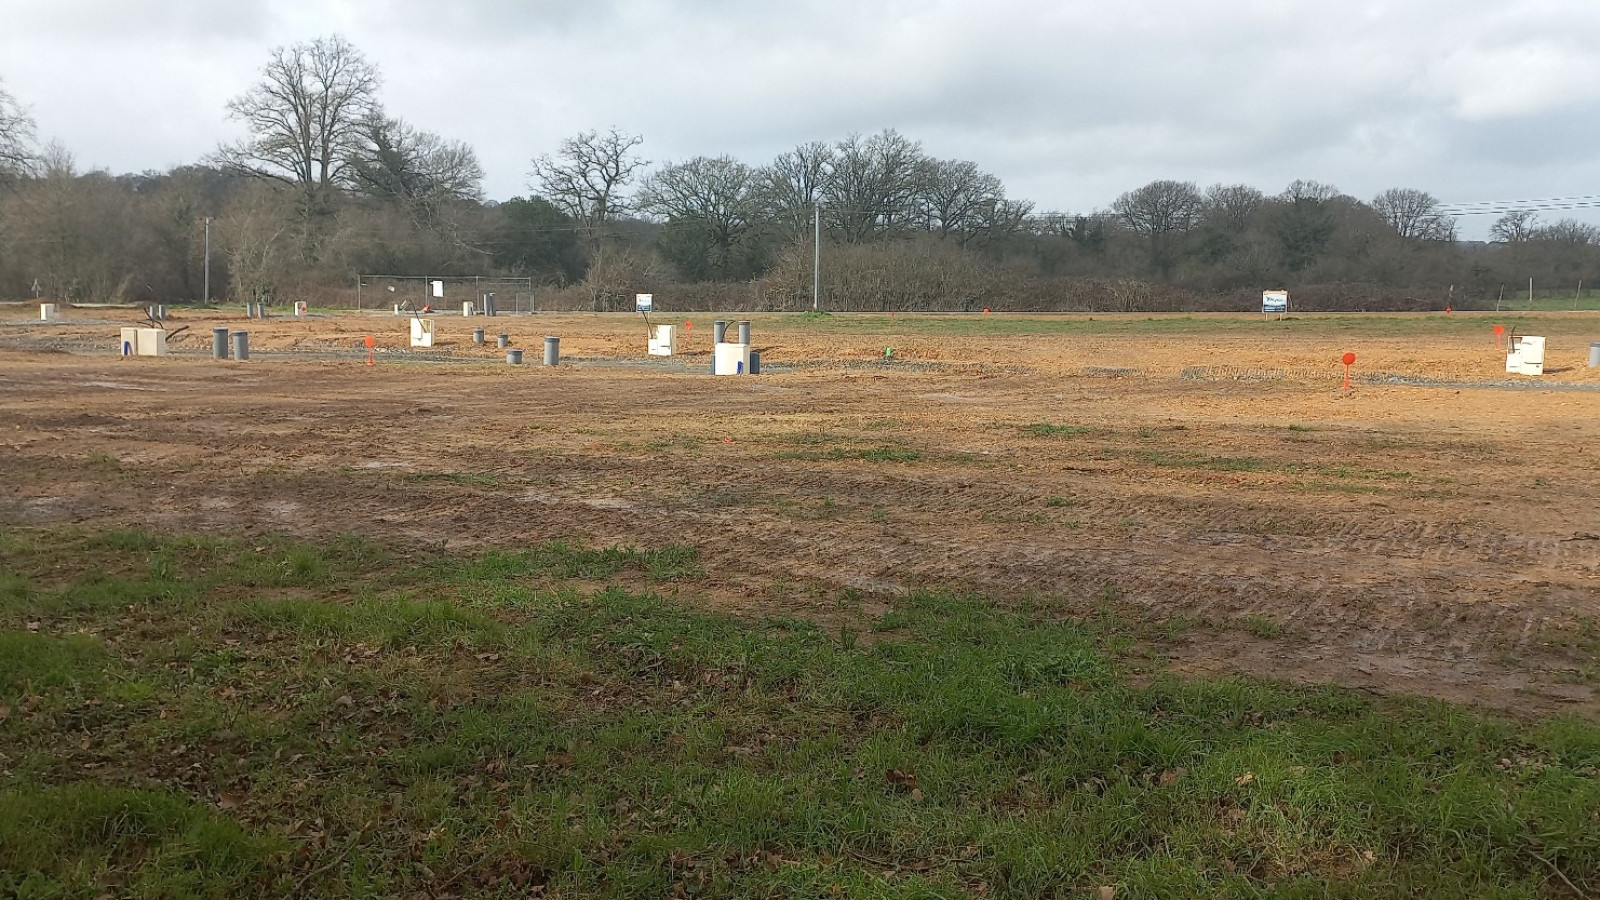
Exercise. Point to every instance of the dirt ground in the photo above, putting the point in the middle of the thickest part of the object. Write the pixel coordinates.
(1434, 531)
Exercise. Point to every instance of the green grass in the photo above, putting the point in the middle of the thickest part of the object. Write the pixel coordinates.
(184, 717)
(1262, 627)
(874, 454)
(471, 479)
(1219, 463)
(1552, 315)
(869, 454)
(1543, 301)
(1045, 429)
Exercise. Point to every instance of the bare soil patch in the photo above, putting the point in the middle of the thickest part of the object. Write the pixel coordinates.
(1405, 537)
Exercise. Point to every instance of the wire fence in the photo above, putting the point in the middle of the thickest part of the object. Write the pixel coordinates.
(511, 295)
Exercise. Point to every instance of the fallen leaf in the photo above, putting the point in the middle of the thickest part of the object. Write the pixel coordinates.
(916, 795)
(346, 700)
(226, 800)
(901, 779)
(1108, 893)
(1244, 779)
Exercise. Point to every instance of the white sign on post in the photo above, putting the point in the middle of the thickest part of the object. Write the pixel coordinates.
(438, 289)
(1275, 302)
(645, 302)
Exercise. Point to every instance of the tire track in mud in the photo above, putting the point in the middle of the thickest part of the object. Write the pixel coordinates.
(1363, 587)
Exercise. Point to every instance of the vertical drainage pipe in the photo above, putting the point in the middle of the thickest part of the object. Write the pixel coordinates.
(744, 333)
(719, 331)
(241, 345)
(504, 340)
(477, 336)
(514, 357)
(552, 350)
(1594, 355)
(219, 343)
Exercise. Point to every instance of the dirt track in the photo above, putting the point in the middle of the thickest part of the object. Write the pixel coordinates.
(1442, 541)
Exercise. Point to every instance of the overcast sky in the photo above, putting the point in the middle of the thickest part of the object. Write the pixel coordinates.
(1069, 102)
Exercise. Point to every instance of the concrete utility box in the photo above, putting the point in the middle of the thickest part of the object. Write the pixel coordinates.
(730, 359)
(1526, 356)
(422, 332)
(467, 308)
(300, 307)
(665, 341)
(143, 342)
(152, 342)
(47, 312)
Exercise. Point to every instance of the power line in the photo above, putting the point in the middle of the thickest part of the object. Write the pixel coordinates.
(1501, 207)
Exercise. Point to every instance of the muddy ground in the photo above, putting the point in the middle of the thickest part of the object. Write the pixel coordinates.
(1433, 531)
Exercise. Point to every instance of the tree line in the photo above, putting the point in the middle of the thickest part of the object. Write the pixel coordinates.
(327, 184)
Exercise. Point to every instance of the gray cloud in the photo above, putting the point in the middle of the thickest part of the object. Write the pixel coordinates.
(1070, 103)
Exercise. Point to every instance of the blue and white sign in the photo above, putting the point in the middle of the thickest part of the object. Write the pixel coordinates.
(1275, 301)
(645, 302)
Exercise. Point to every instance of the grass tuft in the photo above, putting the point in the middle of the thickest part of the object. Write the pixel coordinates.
(388, 723)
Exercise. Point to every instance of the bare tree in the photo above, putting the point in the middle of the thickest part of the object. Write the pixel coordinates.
(252, 238)
(1161, 207)
(1567, 231)
(794, 183)
(305, 116)
(16, 138)
(1515, 227)
(953, 197)
(1304, 223)
(417, 169)
(1304, 190)
(715, 196)
(998, 219)
(1414, 214)
(875, 184)
(1230, 206)
(586, 176)
(1161, 210)
(76, 228)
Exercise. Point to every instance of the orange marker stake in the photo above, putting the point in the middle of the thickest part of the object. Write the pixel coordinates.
(1499, 332)
(369, 342)
(1349, 360)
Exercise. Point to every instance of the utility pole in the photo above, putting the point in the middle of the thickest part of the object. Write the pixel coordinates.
(207, 301)
(816, 257)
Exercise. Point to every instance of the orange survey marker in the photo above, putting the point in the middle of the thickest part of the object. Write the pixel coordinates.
(1499, 333)
(369, 342)
(1349, 359)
